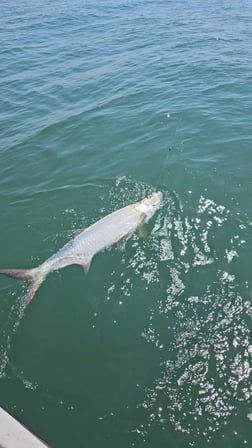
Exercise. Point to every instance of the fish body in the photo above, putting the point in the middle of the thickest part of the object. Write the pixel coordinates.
(100, 235)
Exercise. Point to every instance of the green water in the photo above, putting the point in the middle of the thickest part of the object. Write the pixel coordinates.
(101, 104)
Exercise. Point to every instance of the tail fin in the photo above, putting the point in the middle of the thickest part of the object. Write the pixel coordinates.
(26, 274)
(34, 276)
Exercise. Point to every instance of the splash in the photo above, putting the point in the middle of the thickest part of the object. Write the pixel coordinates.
(201, 324)
(199, 319)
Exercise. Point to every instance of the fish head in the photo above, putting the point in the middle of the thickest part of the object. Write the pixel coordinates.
(149, 205)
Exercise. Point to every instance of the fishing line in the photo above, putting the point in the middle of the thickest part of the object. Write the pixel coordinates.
(172, 144)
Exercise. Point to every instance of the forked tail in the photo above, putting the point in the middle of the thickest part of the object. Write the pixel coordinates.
(34, 276)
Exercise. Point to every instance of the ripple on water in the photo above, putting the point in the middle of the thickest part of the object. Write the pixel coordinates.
(198, 311)
(199, 320)
(200, 325)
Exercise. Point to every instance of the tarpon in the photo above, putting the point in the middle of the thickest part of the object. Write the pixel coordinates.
(82, 248)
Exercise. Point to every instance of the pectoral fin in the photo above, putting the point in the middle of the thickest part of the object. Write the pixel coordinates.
(141, 219)
(144, 231)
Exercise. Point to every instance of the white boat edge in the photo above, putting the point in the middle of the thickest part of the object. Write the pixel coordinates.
(15, 435)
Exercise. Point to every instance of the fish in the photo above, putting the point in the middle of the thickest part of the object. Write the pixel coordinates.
(81, 249)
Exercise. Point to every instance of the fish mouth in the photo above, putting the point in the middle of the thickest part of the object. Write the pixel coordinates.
(149, 205)
(155, 199)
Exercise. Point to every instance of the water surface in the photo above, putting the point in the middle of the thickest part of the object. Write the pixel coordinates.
(101, 104)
